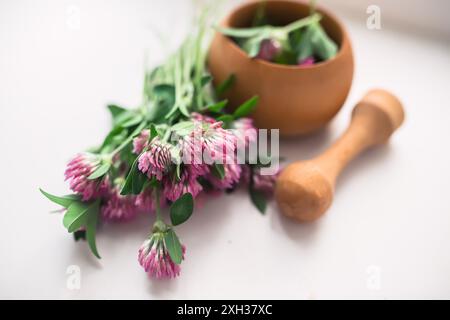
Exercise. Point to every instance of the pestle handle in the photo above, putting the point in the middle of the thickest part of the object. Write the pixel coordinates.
(374, 119)
(304, 189)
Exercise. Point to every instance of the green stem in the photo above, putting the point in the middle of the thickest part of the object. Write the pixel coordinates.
(167, 135)
(128, 140)
(267, 31)
(301, 23)
(157, 206)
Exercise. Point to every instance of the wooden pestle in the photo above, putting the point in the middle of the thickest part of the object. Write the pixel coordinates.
(304, 189)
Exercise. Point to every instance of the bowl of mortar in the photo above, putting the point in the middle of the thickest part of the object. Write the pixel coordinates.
(293, 99)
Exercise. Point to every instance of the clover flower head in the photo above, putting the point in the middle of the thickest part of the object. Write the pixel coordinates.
(269, 49)
(141, 141)
(208, 142)
(260, 182)
(307, 62)
(77, 172)
(155, 162)
(245, 131)
(232, 175)
(154, 257)
(118, 207)
(187, 183)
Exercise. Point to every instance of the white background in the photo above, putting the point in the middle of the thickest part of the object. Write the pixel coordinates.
(387, 235)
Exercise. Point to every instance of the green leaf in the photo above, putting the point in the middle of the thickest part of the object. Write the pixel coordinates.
(115, 110)
(76, 215)
(183, 128)
(286, 57)
(264, 161)
(298, 24)
(253, 45)
(206, 80)
(218, 170)
(164, 90)
(127, 187)
(123, 117)
(181, 209)
(100, 171)
(153, 132)
(165, 102)
(135, 180)
(156, 111)
(154, 183)
(217, 107)
(315, 42)
(64, 201)
(324, 47)
(184, 109)
(139, 180)
(133, 121)
(225, 85)
(295, 39)
(246, 108)
(226, 119)
(91, 227)
(259, 200)
(116, 132)
(241, 32)
(173, 245)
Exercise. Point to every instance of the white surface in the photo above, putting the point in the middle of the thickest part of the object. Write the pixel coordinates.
(391, 209)
(428, 17)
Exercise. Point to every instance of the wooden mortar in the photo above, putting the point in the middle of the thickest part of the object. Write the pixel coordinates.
(304, 189)
(293, 99)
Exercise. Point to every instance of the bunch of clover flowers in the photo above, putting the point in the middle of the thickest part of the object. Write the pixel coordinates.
(107, 188)
(149, 160)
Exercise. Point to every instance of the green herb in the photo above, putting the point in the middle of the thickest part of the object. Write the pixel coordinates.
(134, 181)
(316, 43)
(116, 111)
(225, 85)
(100, 171)
(258, 199)
(290, 45)
(173, 245)
(91, 228)
(217, 107)
(172, 92)
(218, 170)
(246, 108)
(64, 201)
(181, 209)
(256, 35)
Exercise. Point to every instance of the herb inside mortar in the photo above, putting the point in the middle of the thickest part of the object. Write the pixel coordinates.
(303, 42)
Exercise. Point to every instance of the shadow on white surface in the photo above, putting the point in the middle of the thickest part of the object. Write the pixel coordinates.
(307, 147)
(80, 252)
(370, 158)
(303, 234)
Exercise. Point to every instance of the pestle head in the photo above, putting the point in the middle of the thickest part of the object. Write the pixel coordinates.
(386, 105)
(303, 192)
